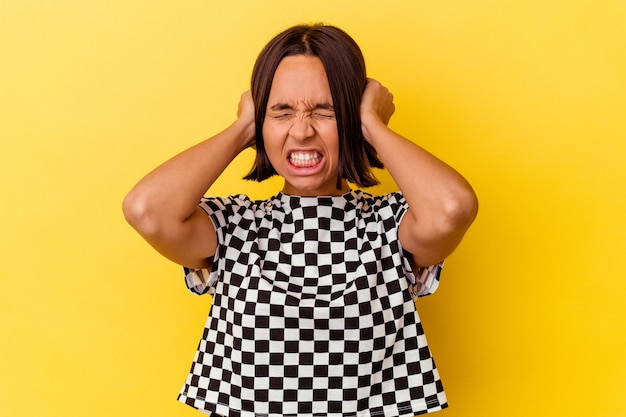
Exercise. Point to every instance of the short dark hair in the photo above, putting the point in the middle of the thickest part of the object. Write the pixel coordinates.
(345, 70)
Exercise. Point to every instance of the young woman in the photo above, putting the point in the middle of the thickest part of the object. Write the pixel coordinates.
(313, 289)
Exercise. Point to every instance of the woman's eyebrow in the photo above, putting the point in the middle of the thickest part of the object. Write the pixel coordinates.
(281, 106)
(285, 106)
(324, 106)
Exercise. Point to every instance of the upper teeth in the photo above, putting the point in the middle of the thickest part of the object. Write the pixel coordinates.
(302, 156)
(304, 159)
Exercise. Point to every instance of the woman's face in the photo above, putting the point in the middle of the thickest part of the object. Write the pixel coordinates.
(300, 129)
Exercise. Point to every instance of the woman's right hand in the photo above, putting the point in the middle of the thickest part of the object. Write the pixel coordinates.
(376, 107)
(246, 115)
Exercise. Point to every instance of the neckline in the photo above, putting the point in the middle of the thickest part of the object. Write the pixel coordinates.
(348, 196)
(348, 193)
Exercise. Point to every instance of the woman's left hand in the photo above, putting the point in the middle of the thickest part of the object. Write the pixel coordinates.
(376, 106)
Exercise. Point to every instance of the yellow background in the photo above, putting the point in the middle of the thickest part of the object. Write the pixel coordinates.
(525, 98)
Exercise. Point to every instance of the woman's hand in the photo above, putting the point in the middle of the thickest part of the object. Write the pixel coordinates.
(376, 107)
(245, 115)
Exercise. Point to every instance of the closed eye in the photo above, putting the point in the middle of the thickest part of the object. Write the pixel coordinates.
(324, 115)
(280, 116)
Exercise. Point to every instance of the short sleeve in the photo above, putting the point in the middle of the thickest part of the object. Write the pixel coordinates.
(425, 280)
(220, 210)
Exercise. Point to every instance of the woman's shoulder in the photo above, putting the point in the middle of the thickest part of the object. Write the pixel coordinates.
(366, 199)
(236, 199)
(236, 203)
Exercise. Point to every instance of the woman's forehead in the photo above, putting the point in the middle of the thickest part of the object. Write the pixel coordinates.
(300, 81)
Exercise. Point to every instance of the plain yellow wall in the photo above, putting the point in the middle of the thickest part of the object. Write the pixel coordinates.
(525, 98)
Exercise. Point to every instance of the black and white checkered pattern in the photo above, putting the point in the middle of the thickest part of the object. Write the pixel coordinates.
(313, 311)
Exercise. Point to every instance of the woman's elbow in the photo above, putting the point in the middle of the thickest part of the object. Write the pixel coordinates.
(463, 209)
(139, 215)
(460, 211)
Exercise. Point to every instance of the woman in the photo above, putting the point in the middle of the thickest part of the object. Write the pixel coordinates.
(313, 288)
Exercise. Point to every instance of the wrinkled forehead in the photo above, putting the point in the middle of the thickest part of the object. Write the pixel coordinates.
(300, 82)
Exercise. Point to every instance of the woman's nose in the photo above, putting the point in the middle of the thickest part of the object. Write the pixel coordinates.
(301, 127)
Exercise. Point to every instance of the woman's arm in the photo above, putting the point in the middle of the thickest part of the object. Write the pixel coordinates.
(163, 206)
(442, 204)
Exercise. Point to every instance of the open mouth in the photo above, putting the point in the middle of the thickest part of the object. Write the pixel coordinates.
(305, 159)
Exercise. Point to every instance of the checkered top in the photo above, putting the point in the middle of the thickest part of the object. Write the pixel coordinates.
(313, 311)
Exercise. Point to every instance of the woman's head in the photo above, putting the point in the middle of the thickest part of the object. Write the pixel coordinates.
(345, 70)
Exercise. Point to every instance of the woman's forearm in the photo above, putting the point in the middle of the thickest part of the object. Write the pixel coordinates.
(170, 193)
(433, 189)
(442, 204)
